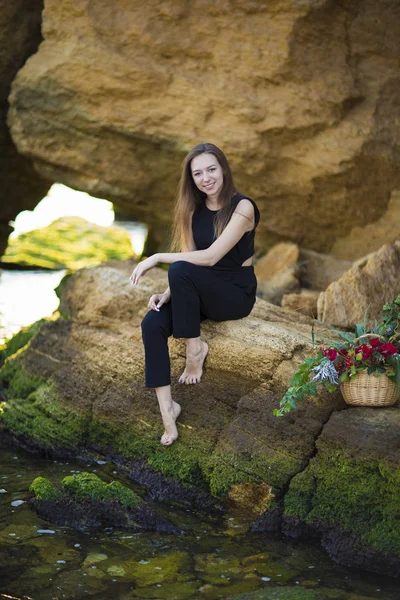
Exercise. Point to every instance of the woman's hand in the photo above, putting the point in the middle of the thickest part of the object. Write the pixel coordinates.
(142, 268)
(157, 300)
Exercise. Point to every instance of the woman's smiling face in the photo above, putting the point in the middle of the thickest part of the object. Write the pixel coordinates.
(207, 174)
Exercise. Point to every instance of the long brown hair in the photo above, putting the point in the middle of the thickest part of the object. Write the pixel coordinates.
(190, 198)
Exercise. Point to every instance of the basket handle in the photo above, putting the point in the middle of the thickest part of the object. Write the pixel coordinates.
(372, 335)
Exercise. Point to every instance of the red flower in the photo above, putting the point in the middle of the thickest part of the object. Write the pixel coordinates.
(387, 349)
(367, 353)
(375, 342)
(331, 353)
(365, 350)
(343, 352)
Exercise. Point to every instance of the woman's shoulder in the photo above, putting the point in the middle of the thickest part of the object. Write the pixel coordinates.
(238, 197)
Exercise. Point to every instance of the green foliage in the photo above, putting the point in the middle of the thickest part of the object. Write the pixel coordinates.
(300, 386)
(19, 340)
(70, 242)
(87, 486)
(351, 353)
(43, 489)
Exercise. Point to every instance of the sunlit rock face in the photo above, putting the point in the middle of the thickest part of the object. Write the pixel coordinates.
(21, 187)
(303, 97)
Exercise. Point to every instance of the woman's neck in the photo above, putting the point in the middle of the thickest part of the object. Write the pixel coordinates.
(212, 202)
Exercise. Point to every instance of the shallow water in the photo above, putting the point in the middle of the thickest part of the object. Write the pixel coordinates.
(214, 559)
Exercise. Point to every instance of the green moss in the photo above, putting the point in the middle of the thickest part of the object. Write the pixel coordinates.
(178, 461)
(87, 486)
(298, 502)
(39, 415)
(191, 460)
(43, 489)
(356, 496)
(17, 380)
(70, 242)
(168, 568)
(19, 340)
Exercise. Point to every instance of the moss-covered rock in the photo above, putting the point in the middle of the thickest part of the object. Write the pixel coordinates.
(19, 340)
(43, 489)
(84, 500)
(349, 493)
(69, 242)
(87, 486)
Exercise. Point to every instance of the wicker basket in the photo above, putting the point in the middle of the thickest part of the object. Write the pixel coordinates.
(368, 390)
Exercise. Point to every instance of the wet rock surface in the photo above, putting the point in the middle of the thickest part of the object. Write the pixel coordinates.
(348, 495)
(84, 500)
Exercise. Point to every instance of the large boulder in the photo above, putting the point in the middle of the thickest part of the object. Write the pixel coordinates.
(348, 496)
(21, 186)
(363, 289)
(303, 97)
(79, 384)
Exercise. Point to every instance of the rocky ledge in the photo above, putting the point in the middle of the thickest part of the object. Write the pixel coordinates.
(84, 500)
(77, 386)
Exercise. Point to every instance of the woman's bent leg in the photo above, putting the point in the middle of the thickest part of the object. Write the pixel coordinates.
(156, 329)
(198, 293)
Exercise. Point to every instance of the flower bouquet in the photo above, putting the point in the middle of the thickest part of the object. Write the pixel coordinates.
(352, 357)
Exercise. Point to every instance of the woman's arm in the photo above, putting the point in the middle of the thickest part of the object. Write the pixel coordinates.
(241, 222)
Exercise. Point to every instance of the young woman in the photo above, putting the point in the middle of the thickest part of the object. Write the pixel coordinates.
(210, 278)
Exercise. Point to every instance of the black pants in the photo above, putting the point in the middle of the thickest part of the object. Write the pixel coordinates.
(197, 293)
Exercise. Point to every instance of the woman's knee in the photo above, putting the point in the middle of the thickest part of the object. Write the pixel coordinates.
(179, 269)
(152, 325)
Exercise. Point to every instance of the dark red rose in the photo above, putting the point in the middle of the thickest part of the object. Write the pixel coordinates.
(343, 352)
(361, 348)
(387, 349)
(367, 353)
(331, 353)
(374, 342)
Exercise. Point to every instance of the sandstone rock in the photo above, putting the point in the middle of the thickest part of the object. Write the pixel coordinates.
(88, 370)
(318, 270)
(333, 498)
(372, 236)
(278, 285)
(22, 187)
(279, 258)
(277, 272)
(254, 497)
(308, 113)
(370, 283)
(305, 302)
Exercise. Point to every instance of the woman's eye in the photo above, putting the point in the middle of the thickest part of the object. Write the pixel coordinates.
(212, 169)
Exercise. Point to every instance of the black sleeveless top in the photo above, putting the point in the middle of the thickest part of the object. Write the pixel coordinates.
(203, 234)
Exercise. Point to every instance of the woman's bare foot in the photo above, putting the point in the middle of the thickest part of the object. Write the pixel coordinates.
(169, 420)
(194, 365)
